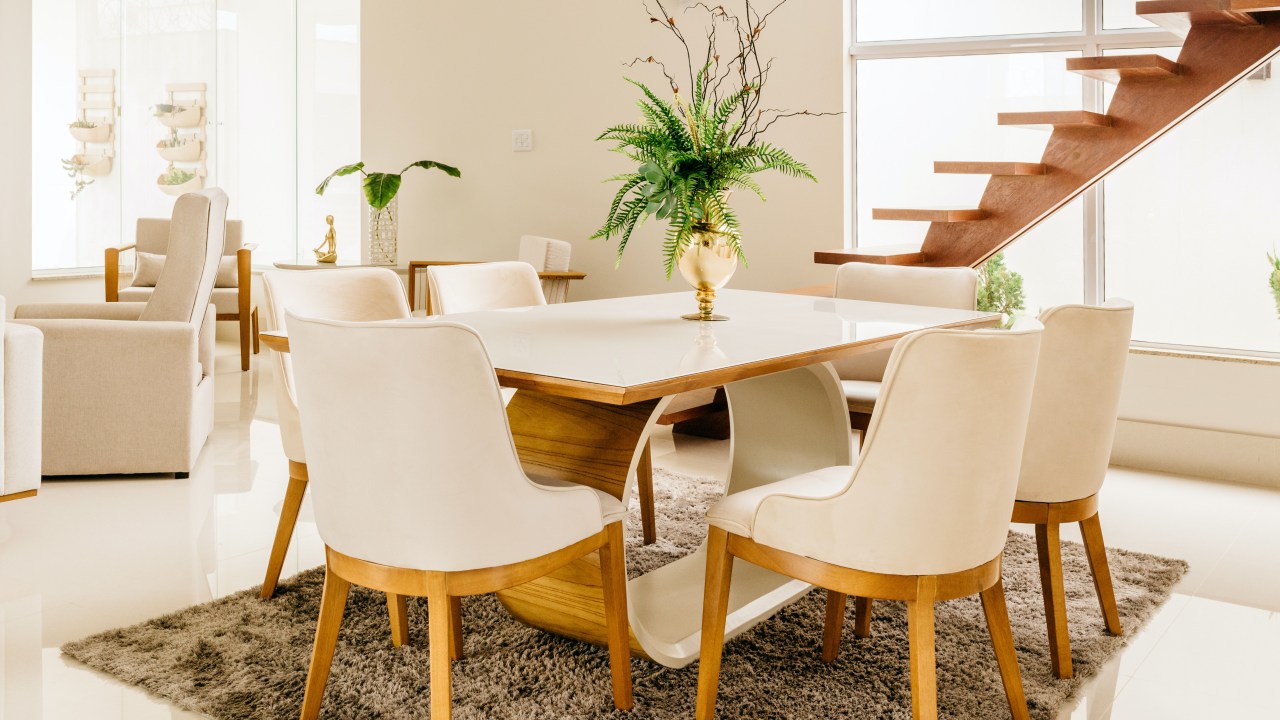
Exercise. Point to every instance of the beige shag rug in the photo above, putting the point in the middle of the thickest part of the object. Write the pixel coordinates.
(241, 657)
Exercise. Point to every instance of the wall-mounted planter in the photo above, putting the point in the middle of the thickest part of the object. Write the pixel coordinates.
(93, 165)
(186, 151)
(99, 133)
(192, 185)
(182, 117)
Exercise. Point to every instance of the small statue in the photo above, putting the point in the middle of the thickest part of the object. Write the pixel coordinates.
(329, 254)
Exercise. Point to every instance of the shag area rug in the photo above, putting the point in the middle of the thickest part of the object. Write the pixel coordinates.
(241, 657)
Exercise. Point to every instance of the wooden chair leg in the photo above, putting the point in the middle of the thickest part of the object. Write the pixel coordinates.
(834, 625)
(244, 340)
(924, 665)
(715, 606)
(399, 612)
(997, 612)
(862, 617)
(284, 532)
(256, 346)
(613, 572)
(1049, 549)
(455, 629)
(1091, 531)
(441, 629)
(644, 484)
(332, 604)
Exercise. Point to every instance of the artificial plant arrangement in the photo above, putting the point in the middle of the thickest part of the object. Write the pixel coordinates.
(176, 176)
(1000, 289)
(1274, 260)
(704, 140)
(381, 188)
(74, 168)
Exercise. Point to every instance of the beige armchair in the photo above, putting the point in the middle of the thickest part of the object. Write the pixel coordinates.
(20, 358)
(128, 386)
(232, 299)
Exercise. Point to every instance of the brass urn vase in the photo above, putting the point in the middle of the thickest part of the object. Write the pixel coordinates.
(707, 264)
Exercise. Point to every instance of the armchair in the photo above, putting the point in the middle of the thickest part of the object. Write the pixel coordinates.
(128, 386)
(19, 410)
(232, 299)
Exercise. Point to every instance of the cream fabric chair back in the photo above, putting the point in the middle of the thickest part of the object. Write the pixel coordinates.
(934, 485)
(483, 286)
(936, 287)
(1076, 400)
(355, 294)
(197, 233)
(410, 457)
(548, 255)
(21, 405)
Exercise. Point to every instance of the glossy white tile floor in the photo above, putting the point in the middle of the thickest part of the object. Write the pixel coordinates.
(90, 555)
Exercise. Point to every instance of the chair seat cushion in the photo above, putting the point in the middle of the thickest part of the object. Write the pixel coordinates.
(226, 301)
(737, 512)
(861, 395)
(611, 509)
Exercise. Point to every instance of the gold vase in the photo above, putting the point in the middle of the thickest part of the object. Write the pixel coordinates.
(707, 264)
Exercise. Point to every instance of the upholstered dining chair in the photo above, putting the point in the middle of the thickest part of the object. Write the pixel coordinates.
(417, 488)
(1068, 447)
(21, 353)
(232, 299)
(128, 386)
(355, 294)
(472, 287)
(548, 256)
(860, 375)
(901, 524)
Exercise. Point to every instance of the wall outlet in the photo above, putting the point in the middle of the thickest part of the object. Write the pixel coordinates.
(522, 140)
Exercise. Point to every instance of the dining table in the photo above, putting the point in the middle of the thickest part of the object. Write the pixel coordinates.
(592, 378)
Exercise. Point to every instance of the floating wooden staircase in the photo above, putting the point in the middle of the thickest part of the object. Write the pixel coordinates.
(1226, 40)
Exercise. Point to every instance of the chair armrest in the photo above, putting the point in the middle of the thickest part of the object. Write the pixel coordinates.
(79, 311)
(562, 275)
(111, 271)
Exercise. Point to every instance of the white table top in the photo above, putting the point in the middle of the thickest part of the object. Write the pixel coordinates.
(628, 349)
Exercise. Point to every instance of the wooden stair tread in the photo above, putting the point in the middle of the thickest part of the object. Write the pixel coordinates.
(943, 215)
(1180, 15)
(878, 255)
(1113, 69)
(989, 168)
(1056, 118)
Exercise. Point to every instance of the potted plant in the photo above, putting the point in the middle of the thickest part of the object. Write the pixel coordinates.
(179, 148)
(178, 116)
(380, 191)
(89, 131)
(176, 181)
(1275, 279)
(75, 170)
(694, 148)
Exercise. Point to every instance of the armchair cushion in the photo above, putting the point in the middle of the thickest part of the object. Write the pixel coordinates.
(225, 300)
(147, 266)
(80, 311)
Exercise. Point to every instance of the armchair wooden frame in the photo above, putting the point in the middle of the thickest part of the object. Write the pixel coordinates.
(246, 312)
(443, 590)
(416, 265)
(920, 592)
(1048, 518)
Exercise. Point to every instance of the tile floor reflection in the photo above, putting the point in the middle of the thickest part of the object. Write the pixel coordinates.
(89, 555)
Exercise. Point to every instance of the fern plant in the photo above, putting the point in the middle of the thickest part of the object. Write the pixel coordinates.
(693, 149)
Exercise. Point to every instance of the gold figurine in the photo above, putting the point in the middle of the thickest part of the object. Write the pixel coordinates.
(329, 254)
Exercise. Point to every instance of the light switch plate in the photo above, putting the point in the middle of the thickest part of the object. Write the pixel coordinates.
(522, 140)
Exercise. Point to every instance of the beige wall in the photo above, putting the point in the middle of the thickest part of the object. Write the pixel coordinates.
(449, 81)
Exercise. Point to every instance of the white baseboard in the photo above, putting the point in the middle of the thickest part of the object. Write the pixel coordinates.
(1213, 454)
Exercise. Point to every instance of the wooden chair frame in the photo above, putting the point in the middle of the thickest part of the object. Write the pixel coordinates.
(246, 313)
(298, 479)
(443, 590)
(416, 265)
(920, 592)
(1048, 519)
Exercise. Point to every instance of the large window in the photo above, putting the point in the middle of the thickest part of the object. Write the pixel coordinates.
(281, 94)
(1181, 229)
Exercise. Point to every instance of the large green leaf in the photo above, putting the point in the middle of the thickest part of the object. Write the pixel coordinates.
(344, 170)
(380, 188)
(428, 164)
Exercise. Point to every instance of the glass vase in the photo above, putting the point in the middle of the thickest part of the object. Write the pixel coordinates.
(382, 234)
